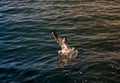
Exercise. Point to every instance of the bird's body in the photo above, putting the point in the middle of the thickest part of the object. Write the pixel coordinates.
(66, 50)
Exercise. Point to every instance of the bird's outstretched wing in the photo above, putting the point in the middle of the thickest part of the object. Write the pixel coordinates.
(62, 42)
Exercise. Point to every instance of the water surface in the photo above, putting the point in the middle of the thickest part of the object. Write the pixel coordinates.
(28, 52)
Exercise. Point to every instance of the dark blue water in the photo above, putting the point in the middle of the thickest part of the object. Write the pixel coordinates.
(28, 52)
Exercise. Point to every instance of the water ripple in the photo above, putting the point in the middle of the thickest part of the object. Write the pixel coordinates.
(28, 52)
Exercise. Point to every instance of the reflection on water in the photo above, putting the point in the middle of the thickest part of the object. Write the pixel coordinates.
(28, 52)
(63, 62)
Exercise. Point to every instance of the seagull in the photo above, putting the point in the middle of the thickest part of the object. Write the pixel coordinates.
(66, 50)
